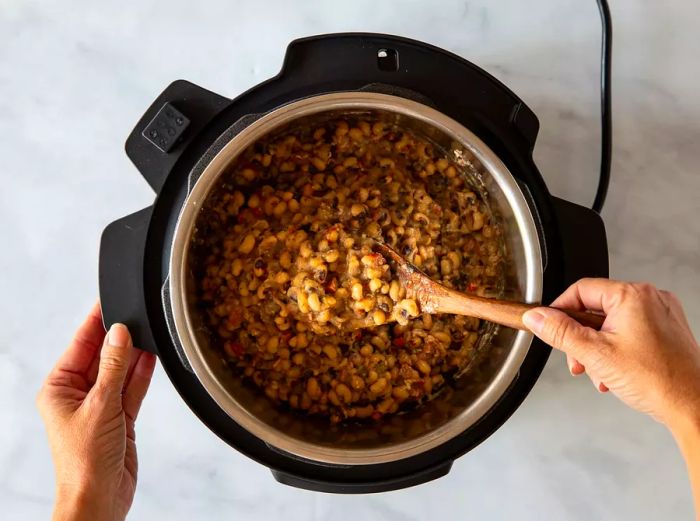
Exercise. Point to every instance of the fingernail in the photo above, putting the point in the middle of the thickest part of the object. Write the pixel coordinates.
(118, 335)
(534, 320)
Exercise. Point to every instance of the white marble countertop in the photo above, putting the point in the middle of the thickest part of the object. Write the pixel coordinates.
(77, 75)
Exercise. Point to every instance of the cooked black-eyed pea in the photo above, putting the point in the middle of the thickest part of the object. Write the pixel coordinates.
(356, 134)
(375, 285)
(254, 201)
(442, 336)
(333, 398)
(343, 392)
(311, 286)
(357, 209)
(267, 243)
(373, 229)
(330, 351)
(394, 290)
(318, 163)
(356, 291)
(379, 342)
(247, 244)
(249, 174)
(455, 258)
(321, 273)
(364, 412)
(357, 383)
(305, 250)
(294, 401)
(314, 302)
(374, 272)
(331, 256)
(379, 386)
(446, 266)
(366, 350)
(405, 309)
(442, 164)
(365, 304)
(400, 393)
(300, 340)
(281, 278)
(271, 391)
(477, 220)
(423, 366)
(313, 388)
(353, 265)
(303, 302)
(385, 405)
(236, 267)
(259, 267)
(378, 317)
(282, 323)
(375, 202)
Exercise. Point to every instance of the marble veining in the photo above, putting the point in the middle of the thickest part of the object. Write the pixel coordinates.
(77, 75)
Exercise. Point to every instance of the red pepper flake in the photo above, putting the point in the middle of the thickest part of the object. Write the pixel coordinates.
(244, 215)
(472, 286)
(399, 341)
(235, 318)
(234, 348)
(247, 164)
(331, 286)
(358, 335)
(376, 416)
(257, 212)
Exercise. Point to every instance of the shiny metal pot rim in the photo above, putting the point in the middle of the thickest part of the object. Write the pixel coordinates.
(522, 219)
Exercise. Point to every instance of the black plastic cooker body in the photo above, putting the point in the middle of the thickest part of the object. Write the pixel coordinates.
(188, 119)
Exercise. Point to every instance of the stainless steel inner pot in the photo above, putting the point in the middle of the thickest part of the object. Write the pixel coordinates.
(465, 401)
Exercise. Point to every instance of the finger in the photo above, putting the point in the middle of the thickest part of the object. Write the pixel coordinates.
(133, 359)
(675, 307)
(138, 383)
(91, 374)
(114, 360)
(84, 347)
(591, 294)
(561, 331)
(575, 367)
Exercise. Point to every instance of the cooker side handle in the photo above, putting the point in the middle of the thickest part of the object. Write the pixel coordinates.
(583, 239)
(318, 485)
(168, 126)
(121, 277)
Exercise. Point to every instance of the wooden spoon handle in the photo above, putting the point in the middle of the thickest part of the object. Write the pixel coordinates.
(504, 312)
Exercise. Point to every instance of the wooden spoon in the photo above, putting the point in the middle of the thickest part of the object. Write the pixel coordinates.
(433, 297)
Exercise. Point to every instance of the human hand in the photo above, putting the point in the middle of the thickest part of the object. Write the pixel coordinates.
(644, 353)
(89, 403)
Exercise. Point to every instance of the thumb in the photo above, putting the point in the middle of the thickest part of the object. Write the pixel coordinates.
(114, 359)
(560, 331)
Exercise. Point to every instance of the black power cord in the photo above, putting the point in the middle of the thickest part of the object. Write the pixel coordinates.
(605, 106)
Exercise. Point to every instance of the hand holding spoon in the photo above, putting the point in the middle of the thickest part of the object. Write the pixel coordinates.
(432, 297)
